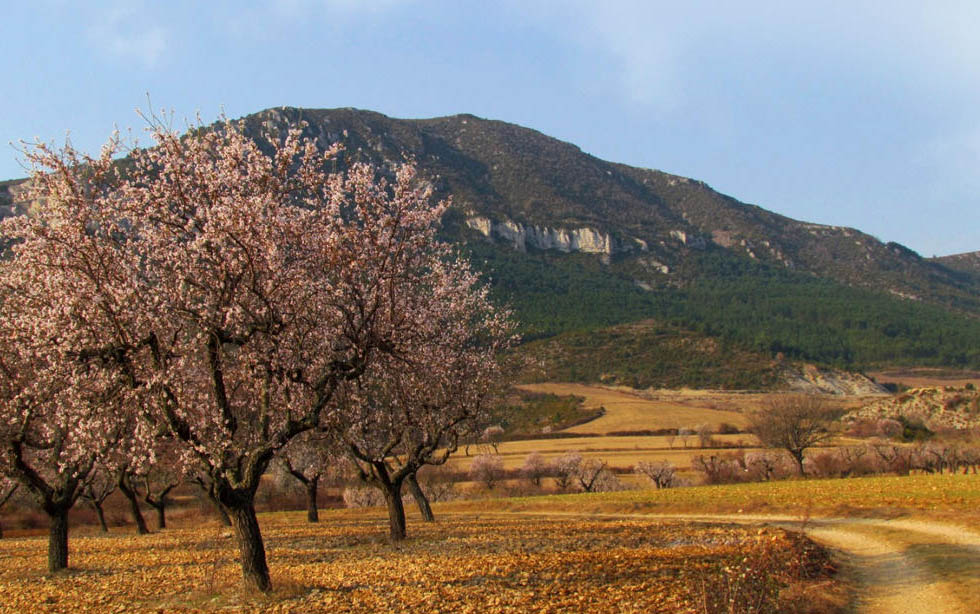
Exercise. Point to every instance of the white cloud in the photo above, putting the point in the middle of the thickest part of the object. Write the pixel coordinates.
(122, 32)
(655, 49)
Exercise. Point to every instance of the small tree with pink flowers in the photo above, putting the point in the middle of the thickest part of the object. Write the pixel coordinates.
(413, 409)
(59, 417)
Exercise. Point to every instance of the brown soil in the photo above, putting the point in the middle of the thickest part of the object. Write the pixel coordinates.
(897, 566)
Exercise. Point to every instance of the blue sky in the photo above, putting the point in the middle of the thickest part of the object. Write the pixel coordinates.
(863, 114)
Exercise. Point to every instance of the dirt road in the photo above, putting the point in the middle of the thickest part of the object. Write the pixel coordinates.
(897, 566)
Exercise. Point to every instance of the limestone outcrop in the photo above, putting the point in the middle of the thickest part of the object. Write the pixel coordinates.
(586, 240)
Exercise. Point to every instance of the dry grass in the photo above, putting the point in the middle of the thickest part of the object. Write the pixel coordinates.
(627, 411)
(461, 564)
(941, 496)
(617, 451)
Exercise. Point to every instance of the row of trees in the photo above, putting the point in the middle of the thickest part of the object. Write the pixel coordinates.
(218, 300)
(876, 457)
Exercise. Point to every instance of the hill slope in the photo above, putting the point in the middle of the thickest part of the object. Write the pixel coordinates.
(519, 187)
(577, 244)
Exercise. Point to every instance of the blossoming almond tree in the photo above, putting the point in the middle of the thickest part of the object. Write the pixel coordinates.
(240, 286)
(58, 417)
(412, 409)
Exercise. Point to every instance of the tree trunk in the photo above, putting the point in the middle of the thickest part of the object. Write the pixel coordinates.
(312, 487)
(223, 515)
(101, 514)
(134, 504)
(396, 512)
(255, 571)
(381, 477)
(420, 499)
(213, 498)
(161, 509)
(1, 531)
(57, 539)
(798, 457)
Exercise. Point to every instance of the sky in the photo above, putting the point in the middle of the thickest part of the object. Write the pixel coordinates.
(861, 114)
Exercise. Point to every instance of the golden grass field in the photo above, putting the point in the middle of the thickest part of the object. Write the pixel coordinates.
(934, 495)
(619, 452)
(491, 555)
(626, 410)
(462, 563)
(552, 553)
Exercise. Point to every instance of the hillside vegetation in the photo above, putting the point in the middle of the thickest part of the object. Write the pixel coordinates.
(673, 250)
(746, 306)
(648, 354)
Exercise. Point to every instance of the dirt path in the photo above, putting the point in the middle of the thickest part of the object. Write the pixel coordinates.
(897, 566)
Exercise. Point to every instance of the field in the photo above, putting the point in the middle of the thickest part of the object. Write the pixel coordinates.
(953, 496)
(926, 377)
(631, 411)
(620, 452)
(629, 551)
(626, 410)
(463, 563)
(636, 551)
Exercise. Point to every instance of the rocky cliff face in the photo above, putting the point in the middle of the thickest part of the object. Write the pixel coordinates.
(585, 240)
(810, 379)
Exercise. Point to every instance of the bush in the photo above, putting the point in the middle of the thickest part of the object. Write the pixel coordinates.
(565, 468)
(768, 465)
(728, 429)
(722, 469)
(767, 577)
(438, 482)
(662, 473)
(914, 429)
(363, 496)
(535, 468)
(891, 429)
(488, 469)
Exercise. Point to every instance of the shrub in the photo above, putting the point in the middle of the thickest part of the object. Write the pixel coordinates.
(565, 469)
(728, 429)
(363, 496)
(767, 465)
(891, 429)
(914, 429)
(722, 469)
(438, 482)
(593, 475)
(488, 469)
(662, 473)
(534, 469)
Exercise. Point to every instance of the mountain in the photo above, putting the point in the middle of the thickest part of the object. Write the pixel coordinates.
(579, 244)
(968, 263)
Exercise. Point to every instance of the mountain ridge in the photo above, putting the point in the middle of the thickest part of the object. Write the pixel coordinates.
(519, 177)
(578, 243)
